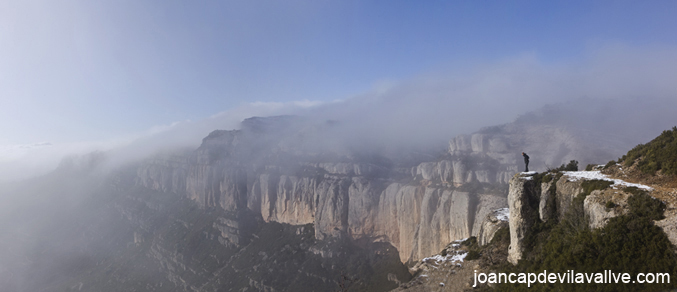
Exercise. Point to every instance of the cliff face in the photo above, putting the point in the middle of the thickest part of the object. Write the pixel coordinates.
(342, 196)
(274, 168)
(418, 220)
(532, 201)
(285, 170)
(521, 199)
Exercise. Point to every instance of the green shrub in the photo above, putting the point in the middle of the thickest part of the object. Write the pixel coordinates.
(473, 248)
(610, 164)
(634, 190)
(547, 177)
(594, 184)
(610, 205)
(502, 234)
(472, 255)
(571, 166)
(659, 154)
(470, 242)
(589, 167)
(643, 205)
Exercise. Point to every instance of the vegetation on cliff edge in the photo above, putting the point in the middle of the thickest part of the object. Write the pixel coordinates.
(627, 244)
(659, 154)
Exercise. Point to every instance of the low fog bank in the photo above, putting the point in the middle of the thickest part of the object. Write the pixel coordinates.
(440, 106)
(634, 91)
(19, 162)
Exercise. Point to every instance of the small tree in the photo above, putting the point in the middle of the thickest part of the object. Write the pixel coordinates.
(572, 166)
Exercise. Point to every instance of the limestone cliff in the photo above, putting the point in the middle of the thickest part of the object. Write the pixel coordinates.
(494, 221)
(521, 197)
(284, 170)
(341, 194)
(531, 201)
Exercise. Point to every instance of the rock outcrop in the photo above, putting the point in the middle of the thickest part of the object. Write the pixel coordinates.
(521, 197)
(567, 190)
(531, 201)
(492, 223)
(602, 205)
(546, 205)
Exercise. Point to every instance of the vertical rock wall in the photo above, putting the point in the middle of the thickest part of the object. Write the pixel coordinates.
(522, 213)
(417, 220)
(341, 198)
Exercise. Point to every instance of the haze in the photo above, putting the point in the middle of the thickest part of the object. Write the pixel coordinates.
(80, 76)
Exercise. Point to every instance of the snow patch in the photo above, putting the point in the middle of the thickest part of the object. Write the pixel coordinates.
(457, 243)
(502, 214)
(458, 257)
(596, 174)
(438, 259)
(527, 175)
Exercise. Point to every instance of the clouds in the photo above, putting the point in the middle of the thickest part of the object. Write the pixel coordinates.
(431, 108)
(22, 161)
(464, 99)
(82, 70)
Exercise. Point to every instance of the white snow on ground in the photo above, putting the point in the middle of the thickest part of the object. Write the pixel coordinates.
(436, 258)
(454, 258)
(530, 173)
(596, 174)
(448, 258)
(502, 214)
(458, 257)
(457, 243)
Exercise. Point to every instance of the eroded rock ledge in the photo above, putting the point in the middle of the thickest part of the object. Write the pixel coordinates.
(532, 199)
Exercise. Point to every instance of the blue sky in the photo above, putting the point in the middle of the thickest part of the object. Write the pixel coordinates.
(78, 71)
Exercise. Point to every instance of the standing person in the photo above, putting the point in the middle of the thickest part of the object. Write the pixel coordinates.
(526, 161)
